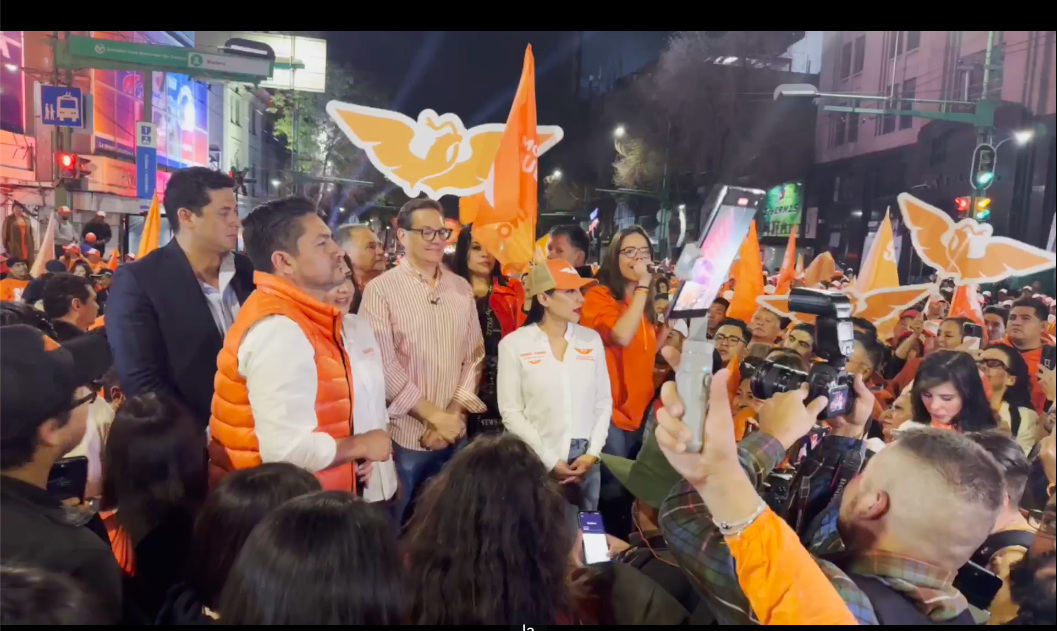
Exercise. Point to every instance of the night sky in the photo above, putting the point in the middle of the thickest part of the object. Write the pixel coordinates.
(471, 73)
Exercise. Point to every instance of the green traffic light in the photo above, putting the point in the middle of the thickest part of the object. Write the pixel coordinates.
(983, 179)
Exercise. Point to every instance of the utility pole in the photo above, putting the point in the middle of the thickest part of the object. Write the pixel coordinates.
(61, 136)
(984, 135)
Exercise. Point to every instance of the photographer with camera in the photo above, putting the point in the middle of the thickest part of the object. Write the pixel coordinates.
(914, 516)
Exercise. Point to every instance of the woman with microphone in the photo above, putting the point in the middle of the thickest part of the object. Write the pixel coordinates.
(617, 310)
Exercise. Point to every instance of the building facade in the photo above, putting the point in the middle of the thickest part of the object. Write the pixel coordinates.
(862, 162)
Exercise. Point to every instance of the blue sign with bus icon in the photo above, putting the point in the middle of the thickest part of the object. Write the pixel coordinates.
(61, 105)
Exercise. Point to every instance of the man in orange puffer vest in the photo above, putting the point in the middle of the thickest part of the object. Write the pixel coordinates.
(284, 382)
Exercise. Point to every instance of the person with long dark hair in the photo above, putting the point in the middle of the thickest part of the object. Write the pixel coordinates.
(326, 558)
(1007, 373)
(554, 385)
(949, 394)
(617, 310)
(489, 543)
(499, 308)
(155, 478)
(238, 503)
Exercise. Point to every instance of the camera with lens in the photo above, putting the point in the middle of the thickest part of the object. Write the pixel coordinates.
(834, 343)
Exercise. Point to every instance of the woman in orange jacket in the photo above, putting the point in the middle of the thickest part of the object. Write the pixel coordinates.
(499, 309)
(617, 310)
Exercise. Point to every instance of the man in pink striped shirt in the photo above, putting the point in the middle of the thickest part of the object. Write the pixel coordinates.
(425, 319)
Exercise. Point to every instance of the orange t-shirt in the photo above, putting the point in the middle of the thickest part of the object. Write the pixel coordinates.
(12, 288)
(630, 367)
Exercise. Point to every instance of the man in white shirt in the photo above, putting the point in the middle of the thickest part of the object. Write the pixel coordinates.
(284, 379)
(553, 382)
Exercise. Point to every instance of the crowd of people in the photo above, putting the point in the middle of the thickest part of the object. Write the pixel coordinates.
(305, 433)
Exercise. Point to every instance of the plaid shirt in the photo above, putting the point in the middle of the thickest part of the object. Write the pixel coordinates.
(702, 552)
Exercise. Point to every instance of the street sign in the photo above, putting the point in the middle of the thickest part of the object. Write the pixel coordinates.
(146, 159)
(104, 53)
(60, 105)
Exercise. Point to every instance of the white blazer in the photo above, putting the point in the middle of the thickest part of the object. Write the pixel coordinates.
(369, 409)
(547, 402)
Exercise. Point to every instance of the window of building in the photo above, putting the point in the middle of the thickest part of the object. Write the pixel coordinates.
(913, 40)
(236, 110)
(838, 130)
(860, 55)
(895, 43)
(253, 120)
(845, 60)
(938, 152)
(853, 127)
(906, 122)
(887, 124)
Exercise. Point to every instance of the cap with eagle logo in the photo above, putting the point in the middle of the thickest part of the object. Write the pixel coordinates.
(554, 274)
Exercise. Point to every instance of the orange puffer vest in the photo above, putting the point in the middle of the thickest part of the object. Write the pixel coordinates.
(233, 441)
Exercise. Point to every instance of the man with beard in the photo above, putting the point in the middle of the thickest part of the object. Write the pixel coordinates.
(898, 532)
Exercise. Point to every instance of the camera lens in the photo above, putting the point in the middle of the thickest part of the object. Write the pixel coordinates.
(770, 379)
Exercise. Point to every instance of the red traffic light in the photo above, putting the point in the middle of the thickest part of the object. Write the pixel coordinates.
(961, 204)
(67, 166)
(66, 160)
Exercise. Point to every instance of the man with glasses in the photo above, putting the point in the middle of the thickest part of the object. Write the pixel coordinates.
(731, 338)
(45, 390)
(425, 319)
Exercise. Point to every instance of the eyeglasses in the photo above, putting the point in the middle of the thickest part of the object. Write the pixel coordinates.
(429, 234)
(728, 339)
(992, 363)
(1041, 520)
(632, 253)
(88, 398)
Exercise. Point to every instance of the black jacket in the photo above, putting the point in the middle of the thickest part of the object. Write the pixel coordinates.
(100, 229)
(37, 532)
(160, 328)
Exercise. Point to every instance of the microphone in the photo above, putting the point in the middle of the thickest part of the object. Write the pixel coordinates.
(434, 301)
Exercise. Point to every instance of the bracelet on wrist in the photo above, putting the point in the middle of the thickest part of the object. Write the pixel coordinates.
(641, 288)
(738, 527)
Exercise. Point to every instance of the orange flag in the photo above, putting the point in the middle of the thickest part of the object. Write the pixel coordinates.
(505, 221)
(115, 259)
(880, 268)
(749, 282)
(966, 304)
(150, 239)
(821, 269)
(47, 249)
(787, 273)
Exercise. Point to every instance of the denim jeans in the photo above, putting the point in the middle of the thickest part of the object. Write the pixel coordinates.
(586, 495)
(414, 469)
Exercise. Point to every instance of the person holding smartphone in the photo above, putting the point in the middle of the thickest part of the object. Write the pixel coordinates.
(553, 383)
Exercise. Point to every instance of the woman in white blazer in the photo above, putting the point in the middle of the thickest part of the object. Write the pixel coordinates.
(553, 383)
(368, 386)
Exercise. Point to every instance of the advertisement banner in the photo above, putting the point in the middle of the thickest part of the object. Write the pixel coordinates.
(783, 210)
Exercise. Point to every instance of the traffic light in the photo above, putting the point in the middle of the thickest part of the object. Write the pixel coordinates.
(982, 174)
(961, 204)
(67, 166)
(983, 208)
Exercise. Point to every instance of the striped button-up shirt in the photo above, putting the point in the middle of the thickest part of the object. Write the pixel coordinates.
(430, 342)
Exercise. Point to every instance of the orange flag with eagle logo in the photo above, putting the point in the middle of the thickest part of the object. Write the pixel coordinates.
(787, 273)
(504, 216)
(748, 284)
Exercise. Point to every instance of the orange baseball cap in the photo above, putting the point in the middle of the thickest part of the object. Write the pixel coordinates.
(554, 274)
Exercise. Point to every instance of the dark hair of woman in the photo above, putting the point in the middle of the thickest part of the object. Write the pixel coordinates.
(489, 542)
(462, 253)
(535, 312)
(1017, 395)
(82, 264)
(958, 369)
(325, 558)
(609, 275)
(241, 501)
(31, 596)
(154, 464)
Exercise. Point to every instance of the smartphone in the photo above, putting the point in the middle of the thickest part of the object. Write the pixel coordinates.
(596, 548)
(1049, 357)
(68, 478)
(972, 329)
(977, 584)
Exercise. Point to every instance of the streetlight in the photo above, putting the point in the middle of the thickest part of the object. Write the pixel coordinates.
(619, 131)
(1024, 137)
(557, 175)
(276, 183)
(682, 207)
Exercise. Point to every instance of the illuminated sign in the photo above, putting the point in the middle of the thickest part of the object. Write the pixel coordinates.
(783, 210)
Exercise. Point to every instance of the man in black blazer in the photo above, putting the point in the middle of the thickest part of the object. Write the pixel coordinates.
(167, 314)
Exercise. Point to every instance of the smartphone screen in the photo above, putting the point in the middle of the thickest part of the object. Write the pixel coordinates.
(596, 548)
(732, 214)
(1049, 357)
(977, 584)
(68, 478)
